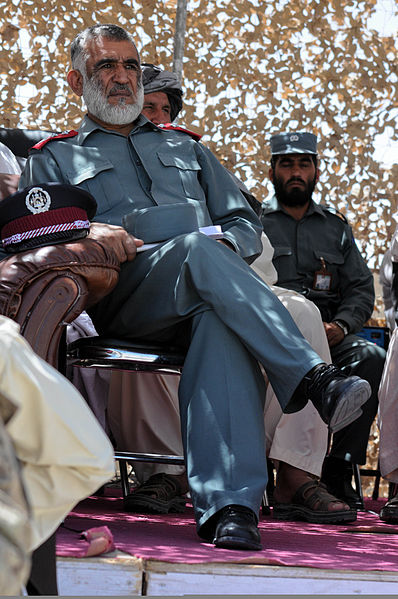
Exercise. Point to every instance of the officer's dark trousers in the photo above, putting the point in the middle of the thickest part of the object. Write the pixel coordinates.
(356, 356)
(197, 291)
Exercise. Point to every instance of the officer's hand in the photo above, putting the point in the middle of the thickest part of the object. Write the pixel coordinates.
(334, 333)
(8, 184)
(124, 244)
(227, 243)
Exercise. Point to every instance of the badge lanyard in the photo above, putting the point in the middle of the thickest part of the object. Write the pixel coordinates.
(322, 278)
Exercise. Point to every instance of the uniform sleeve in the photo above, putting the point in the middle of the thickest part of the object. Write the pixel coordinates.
(356, 288)
(228, 208)
(64, 453)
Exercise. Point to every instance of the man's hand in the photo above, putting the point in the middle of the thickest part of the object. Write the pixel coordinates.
(124, 244)
(334, 333)
(8, 184)
(227, 243)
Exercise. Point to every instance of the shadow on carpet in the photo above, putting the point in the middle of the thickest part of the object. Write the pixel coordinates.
(367, 544)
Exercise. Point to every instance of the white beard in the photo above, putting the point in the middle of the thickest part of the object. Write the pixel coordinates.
(117, 114)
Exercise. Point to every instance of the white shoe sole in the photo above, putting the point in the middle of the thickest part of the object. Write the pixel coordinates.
(349, 405)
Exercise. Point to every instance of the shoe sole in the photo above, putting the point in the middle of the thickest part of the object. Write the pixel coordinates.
(300, 513)
(236, 543)
(349, 405)
(152, 506)
(389, 516)
(389, 520)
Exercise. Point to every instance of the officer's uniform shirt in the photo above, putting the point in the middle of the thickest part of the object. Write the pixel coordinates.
(321, 244)
(150, 167)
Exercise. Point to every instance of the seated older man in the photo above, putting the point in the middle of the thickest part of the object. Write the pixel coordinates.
(187, 288)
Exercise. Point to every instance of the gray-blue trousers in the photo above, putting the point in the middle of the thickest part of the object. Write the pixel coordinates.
(199, 293)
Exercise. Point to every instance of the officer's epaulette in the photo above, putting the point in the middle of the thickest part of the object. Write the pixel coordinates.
(333, 210)
(45, 141)
(268, 206)
(170, 127)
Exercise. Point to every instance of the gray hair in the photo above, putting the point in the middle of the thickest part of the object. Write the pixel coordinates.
(78, 50)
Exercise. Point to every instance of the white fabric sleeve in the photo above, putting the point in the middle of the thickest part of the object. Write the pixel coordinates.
(263, 265)
(8, 162)
(64, 453)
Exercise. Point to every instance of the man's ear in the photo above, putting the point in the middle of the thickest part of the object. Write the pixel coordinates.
(271, 174)
(318, 172)
(75, 80)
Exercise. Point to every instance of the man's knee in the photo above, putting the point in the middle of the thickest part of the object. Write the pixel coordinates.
(360, 357)
(300, 308)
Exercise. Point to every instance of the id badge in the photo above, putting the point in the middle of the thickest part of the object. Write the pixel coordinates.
(322, 278)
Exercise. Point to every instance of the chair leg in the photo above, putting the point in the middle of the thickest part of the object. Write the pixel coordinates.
(124, 478)
(357, 480)
(265, 507)
(269, 490)
(376, 488)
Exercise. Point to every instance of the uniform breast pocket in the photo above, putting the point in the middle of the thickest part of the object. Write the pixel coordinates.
(182, 171)
(285, 263)
(332, 260)
(101, 181)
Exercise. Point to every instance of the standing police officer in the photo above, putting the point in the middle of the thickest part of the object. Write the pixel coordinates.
(316, 255)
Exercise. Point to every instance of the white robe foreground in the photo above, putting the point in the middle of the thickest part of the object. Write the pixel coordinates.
(64, 453)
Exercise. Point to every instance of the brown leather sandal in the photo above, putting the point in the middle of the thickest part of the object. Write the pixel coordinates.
(310, 504)
(160, 494)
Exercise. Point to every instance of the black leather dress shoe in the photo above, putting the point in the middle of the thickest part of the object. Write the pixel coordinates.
(236, 528)
(389, 512)
(338, 398)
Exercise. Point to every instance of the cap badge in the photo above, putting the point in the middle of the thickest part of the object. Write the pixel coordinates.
(38, 200)
(294, 138)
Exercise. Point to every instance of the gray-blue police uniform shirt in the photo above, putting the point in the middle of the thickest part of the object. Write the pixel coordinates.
(151, 167)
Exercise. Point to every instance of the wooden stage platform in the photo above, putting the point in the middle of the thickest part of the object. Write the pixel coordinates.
(119, 574)
(162, 556)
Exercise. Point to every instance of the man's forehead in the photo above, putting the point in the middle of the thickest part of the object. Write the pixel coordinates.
(103, 47)
(157, 97)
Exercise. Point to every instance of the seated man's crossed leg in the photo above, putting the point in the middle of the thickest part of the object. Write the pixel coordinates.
(296, 443)
(230, 322)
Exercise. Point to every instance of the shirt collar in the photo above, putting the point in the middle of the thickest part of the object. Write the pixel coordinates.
(272, 205)
(88, 126)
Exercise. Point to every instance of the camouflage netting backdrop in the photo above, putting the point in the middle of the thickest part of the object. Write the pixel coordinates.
(252, 68)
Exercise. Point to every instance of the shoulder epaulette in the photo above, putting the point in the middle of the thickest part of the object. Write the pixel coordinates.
(333, 210)
(170, 127)
(43, 142)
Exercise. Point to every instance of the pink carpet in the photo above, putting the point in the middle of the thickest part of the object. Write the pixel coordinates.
(367, 544)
